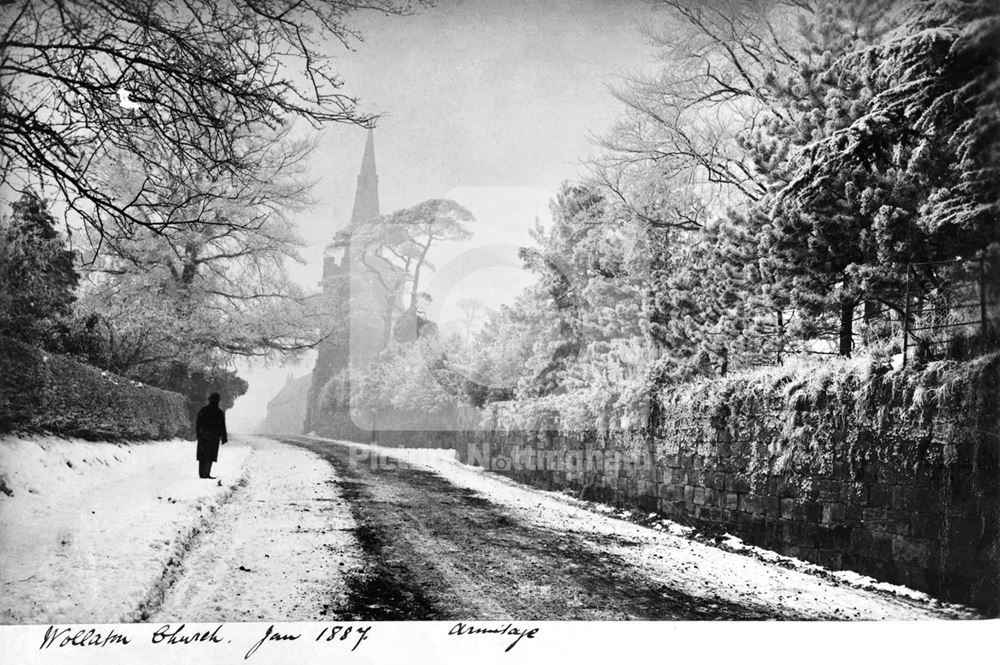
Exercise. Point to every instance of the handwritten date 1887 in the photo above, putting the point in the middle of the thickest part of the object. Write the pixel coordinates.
(327, 634)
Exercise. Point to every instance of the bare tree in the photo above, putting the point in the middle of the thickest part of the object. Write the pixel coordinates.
(675, 158)
(82, 80)
(211, 282)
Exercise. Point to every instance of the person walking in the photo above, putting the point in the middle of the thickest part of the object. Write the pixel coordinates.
(211, 430)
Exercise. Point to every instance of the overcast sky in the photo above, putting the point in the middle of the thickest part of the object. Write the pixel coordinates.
(489, 102)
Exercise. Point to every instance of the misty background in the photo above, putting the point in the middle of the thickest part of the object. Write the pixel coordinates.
(490, 104)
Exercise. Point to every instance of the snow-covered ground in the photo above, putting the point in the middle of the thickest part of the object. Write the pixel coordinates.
(88, 529)
(666, 551)
(118, 533)
(282, 549)
(103, 532)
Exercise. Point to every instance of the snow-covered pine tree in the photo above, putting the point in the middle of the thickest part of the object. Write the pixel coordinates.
(38, 277)
(921, 159)
(822, 248)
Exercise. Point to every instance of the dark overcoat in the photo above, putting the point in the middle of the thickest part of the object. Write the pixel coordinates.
(211, 429)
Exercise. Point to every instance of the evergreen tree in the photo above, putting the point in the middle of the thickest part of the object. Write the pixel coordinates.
(38, 278)
(928, 143)
(824, 249)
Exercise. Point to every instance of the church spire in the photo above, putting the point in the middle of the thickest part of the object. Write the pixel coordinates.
(366, 197)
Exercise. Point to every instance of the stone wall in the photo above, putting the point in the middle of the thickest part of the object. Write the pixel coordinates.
(893, 474)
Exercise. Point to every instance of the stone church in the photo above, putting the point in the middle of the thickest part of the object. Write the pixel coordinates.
(319, 401)
(361, 298)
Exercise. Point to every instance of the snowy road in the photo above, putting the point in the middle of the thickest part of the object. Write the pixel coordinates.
(307, 529)
(282, 548)
(442, 540)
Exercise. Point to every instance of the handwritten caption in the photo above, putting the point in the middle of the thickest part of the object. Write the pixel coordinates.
(510, 630)
(169, 635)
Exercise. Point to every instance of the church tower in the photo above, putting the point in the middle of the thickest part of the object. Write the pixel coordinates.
(366, 196)
(366, 207)
(334, 353)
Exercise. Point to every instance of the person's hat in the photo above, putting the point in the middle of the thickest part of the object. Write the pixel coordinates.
(214, 397)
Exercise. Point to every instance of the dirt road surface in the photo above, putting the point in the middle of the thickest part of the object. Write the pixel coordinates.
(319, 532)
(454, 542)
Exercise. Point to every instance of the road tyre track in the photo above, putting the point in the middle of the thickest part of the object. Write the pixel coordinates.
(379, 592)
(437, 551)
(151, 604)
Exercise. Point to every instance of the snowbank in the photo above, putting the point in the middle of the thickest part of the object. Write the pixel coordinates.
(88, 528)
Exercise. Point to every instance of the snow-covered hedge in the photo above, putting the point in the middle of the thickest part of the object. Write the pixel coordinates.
(45, 392)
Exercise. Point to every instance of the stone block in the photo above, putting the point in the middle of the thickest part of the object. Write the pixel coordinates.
(699, 496)
(911, 551)
(807, 553)
(960, 507)
(875, 519)
(828, 490)
(744, 522)
(789, 532)
(833, 513)
(808, 534)
(812, 511)
(732, 501)
(861, 540)
(927, 500)
(754, 504)
(881, 546)
(963, 559)
(837, 537)
(853, 514)
(832, 559)
(914, 577)
(965, 531)
(787, 505)
(902, 498)
(879, 496)
(927, 525)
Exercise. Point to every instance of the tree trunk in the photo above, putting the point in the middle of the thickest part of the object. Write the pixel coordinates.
(387, 322)
(871, 311)
(846, 328)
(781, 334)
